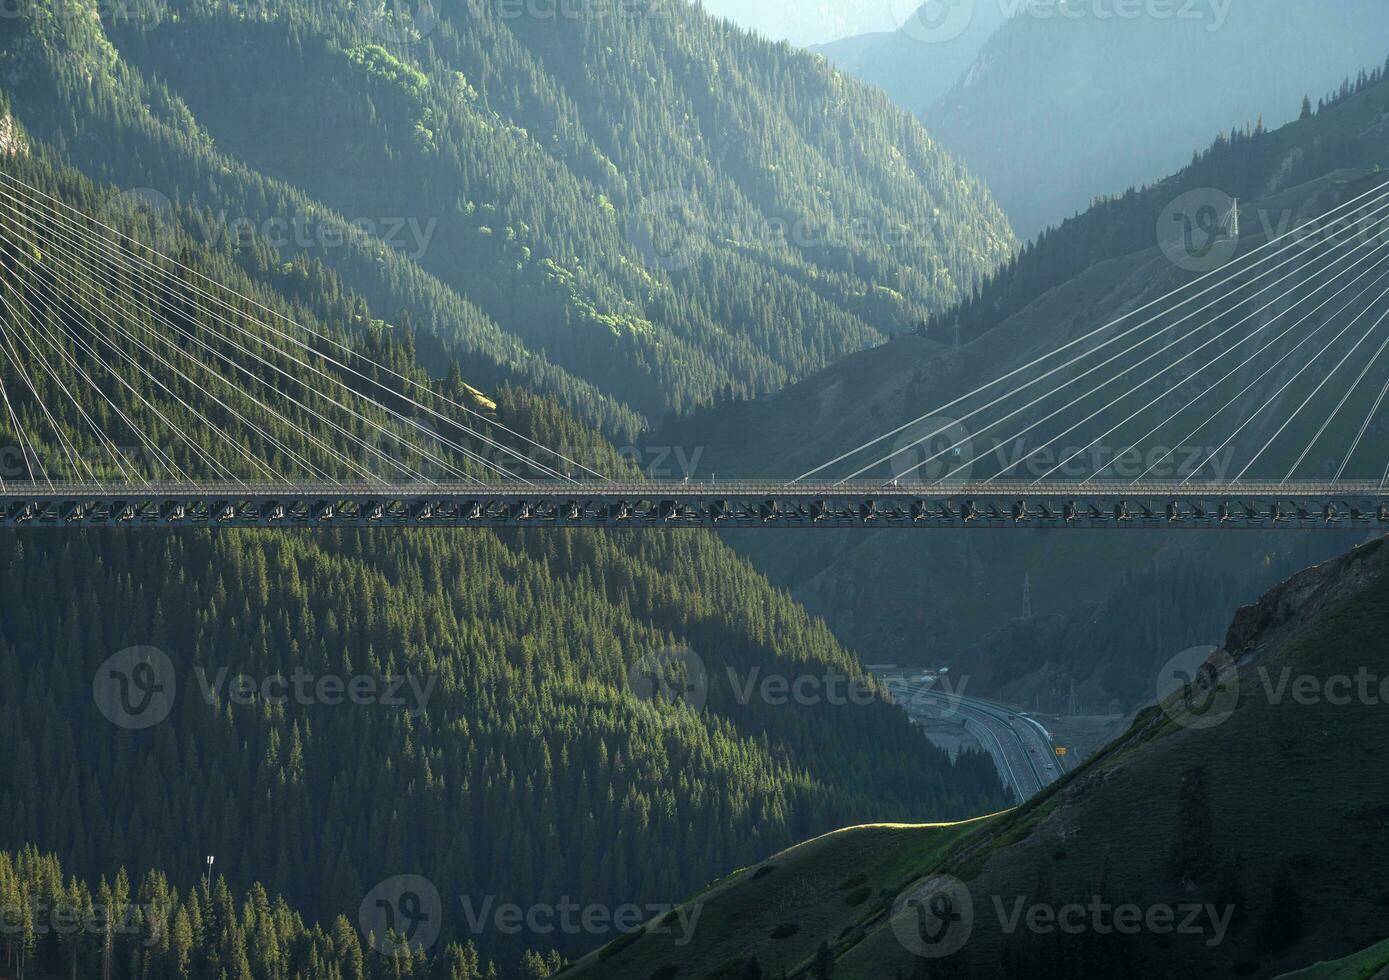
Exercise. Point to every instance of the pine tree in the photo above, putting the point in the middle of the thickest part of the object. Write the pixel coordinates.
(1193, 851)
(1284, 919)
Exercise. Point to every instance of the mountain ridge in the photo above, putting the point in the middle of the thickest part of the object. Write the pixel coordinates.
(1054, 111)
(638, 234)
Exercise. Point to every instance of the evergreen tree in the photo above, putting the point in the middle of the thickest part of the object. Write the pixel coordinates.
(1193, 850)
(523, 641)
(1284, 920)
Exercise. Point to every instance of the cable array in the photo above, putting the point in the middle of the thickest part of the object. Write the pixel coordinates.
(1139, 381)
(211, 384)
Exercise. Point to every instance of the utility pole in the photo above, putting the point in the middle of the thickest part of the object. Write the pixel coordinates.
(1027, 596)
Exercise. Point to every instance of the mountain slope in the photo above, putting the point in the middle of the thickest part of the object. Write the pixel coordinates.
(1235, 817)
(1077, 278)
(1031, 120)
(519, 647)
(803, 23)
(1054, 105)
(639, 211)
(915, 65)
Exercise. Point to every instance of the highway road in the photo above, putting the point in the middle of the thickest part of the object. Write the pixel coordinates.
(1021, 747)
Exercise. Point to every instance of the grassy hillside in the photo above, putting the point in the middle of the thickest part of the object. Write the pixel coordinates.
(1272, 815)
(1368, 964)
(639, 210)
(780, 911)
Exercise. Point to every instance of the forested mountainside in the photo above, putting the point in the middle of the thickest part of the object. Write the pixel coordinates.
(1068, 102)
(1213, 809)
(1255, 164)
(638, 209)
(517, 648)
(1087, 629)
(57, 927)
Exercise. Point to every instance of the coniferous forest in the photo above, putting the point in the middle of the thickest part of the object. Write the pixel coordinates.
(248, 247)
(521, 766)
(630, 206)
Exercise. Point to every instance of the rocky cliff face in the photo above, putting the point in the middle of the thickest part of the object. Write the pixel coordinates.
(12, 141)
(1262, 627)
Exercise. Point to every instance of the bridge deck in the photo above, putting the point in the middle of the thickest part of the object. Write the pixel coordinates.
(762, 504)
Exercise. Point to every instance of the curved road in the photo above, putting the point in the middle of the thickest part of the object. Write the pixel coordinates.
(1021, 748)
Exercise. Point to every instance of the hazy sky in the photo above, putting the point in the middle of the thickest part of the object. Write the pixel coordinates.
(813, 21)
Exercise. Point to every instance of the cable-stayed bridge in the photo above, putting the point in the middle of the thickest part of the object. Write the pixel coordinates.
(138, 391)
(709, 505)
